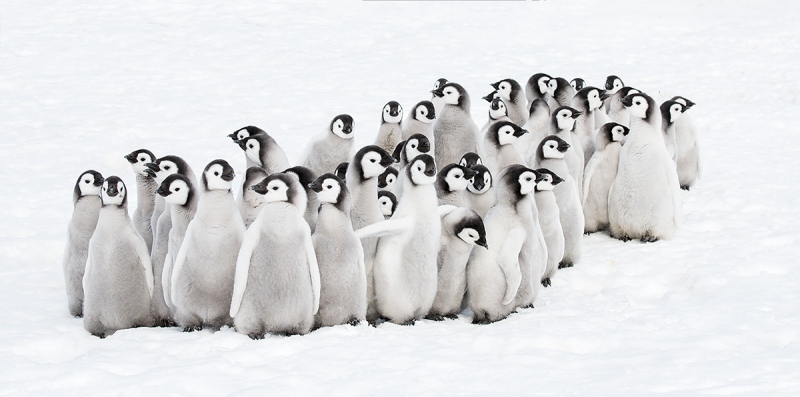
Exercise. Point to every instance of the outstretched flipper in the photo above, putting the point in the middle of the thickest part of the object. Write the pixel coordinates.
(387, 227)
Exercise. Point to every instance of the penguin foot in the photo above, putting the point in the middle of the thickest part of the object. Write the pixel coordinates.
(193, 328)
(99, 335)
(685, 187)
(528, 306)
(409, 323)
(354, 321)
(479, 320)
(648, 239)
(451, 316)
(514, 311)
(434, 317)
(546, 282)
(256, 336)
(373, 323)
(562, 265)
(165, 323)
(624, 239)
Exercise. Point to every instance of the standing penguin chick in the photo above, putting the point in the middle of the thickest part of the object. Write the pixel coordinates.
(245, 132)
(343, 278)
(415, 145)
(462, 229)
(560, 91)
(334, 146)
(451, 182)
(387, 202)
(277, 283)
(250, 202)
(644, 201)
(86, 209)
(265, 153)
(600, 174)
(537, 87)
(455, 133)
(118, 281)
(537, 127)
(146, 188)
(405, 261)
(671, 111)
(511, 93)
(480, 195)
(312, 204)
(549, 221)
(552, 155)
(202, 280)
(420, 121)
(562, 125)
(493, 275)
(577, 83)
(390, 132)
(688, 163)
(438, 102)
(181, 194)
(497, 112)
(586, 101)
(617, 112)
(498, 145)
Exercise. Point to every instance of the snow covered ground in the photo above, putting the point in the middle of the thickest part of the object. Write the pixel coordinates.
(716, 310)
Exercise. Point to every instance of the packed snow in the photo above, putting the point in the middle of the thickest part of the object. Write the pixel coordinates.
(712, 311)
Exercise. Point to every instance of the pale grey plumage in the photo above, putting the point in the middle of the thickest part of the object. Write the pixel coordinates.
(86, 210)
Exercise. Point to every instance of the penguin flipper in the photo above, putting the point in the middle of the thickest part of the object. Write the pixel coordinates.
(508, 259)
(249, 242)
(313, 267)
(87, 267)
(144, 259)
(587, 178)
(387, 227)
(445, 209)
(171, 284)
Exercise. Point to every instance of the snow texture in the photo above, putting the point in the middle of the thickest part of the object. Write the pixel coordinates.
(713, 311)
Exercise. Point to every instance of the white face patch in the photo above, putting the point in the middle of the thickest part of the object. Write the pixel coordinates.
(456, 181)
(543, 85)
(252, 150)
(675, 112)
(330, 191)
(487, 184)
(179, 192)
(139, 166)
(451, 96)
(214, 178)
(617, 134)
(338, 130)
(371, 165)
(639, 107)
(276, 191)
(436, 85)
(550, 150)
(617, 86)
(505, 135)
(387, 117)
(527, 181)
(681, 101)
(385, 204)
(241, 134)
(546, 183)
(565, 120)
(551, 87)
(469, 235)
(412, 149)
(500, 112)
(594, 99)
(504, 90)
(166, 168)
(390, 181)
(115, 200)
(418, 174)
(421, 114)
(87, 186)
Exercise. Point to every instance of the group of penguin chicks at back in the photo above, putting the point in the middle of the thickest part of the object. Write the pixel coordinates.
(345, 238)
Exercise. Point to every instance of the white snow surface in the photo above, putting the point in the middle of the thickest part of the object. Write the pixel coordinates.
(715, 311)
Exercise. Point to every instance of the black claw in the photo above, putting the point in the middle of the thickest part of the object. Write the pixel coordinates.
(563, 265)
(648, 239)
(685, 187)
(528, 306)
(255, 336)
(354, 321)
(451, 316)
(373, 323)
(409, 323)
(434, 317)
(193, 328)
(546, 282)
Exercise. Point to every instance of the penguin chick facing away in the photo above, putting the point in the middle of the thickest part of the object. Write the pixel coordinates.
(146, 188)
(250, 202)
(343, 278)
(306, 176)
(118, 281)
(462, 229)
(277, 282)
(600, 174)
(470, 160)
(86, 209)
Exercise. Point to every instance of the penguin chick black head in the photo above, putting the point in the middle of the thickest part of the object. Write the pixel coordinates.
(490, 96)
(497, 109)
(88, 184)
(590, 98)
(392, 113)
(166, 166)
(218, 175)
(515, 182)
(557, 85)
(454, 177)
(415, 145)
(508, 89)
(342, 126)
(671, 111)
(245, 132)
(332, 190)
(470, 160)
(304, 175)
(387, 202)
(439, 83)
(577, 83)
(424, 112)
(255, 146)
(114, 192)
(139, 159)
(453, 94)
(537, 86)
(552, 147)
(369, 162)
(547, 180)
(610, 132)
(482, 181)
(280, 187)
(641, 106)
(471, 230)
(253, 176)
(613, 84)
(685, 102)
(341, 170)
(421, 170)
(176, 189)
(539, 105)
(387, 179)
(563, 118)
(504, 133)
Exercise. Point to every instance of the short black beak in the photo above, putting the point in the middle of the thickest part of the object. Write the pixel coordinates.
(627, 101)
(242, 144)
(347, 130)
(482, 242)
(394, 113)
(112, 191)
(563, 147)
(603, 95)
(99, 181)
(259, 188)
(576, 114)
(478, 185)
(234, 137)
(153, 167)
(489, 97)
(625, 131)
(557, 180)
(131, 158)
(150, 173)
(163, 191)
(609, 85)
(520, 132)
(313, 186)
(425, 147)
(437, 93)
(496, 85)
(430, 172)
(388, 160)
(228, 177)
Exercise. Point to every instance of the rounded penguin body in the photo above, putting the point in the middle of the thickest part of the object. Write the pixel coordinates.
(390, 133)
(561, 92)
(562, 125)
(587, 101)
(644, 201)
(537, 127)
(551, 155)
(146, 188)
(513, 96)
(86, 210)
(451, 182)
(312, 204)
(688, 163)
(498, 145)
(537, 87)
(180, 193)
(549, 222)
(493, 274)
(118, 282)
(340, 257)
(276, 285)
(202, 279)
(250, 202)
(331, 148)
(265, 152)
(455, 133)
(617, 112)
(480, 195)
(462, 229)
(600, 174)
(671, 112)
(420, 121)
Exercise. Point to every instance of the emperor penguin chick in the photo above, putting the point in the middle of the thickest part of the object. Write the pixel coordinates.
(334, 146)
(537, 87)
(343, 278)
(387, 179)
(146, 187)
(688, 163)
(671, 111)
(265, 153)
(498, 146)
(312, 204)
(250, 202)
(497, 112)
(390, 132)
(412, 147)
(420, 121)
(586, 101)
(86, 209)
(202, 279)
(405, 262)
(612, 86)
(549, 221)
(181, 194)
(600, 174)
(438, 102)
(617, 112)
(277, 282)
(480, 195)
(451, 182)
(562, 125)
(455, 133)
(511, 93)
(537, 127)
(560, 91)
(387, 201)
(644, 202)
(552, 155)
(470, 160)
(493, 274)
(245, 132)
(577, 83)
(118, 281)
(462, 229)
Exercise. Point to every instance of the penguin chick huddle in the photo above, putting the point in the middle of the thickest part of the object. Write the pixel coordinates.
(434, 217)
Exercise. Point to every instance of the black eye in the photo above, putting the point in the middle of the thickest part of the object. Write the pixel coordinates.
(372, 161)
(413, 146)
(328, 187)
(177, 189)
(216, 173)
(142, 159)
(166, 168)
(638, 103)
(419, 169)
(528, 179)
(86, 181)
(250, 146)
(275, 188)
(458, 176)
